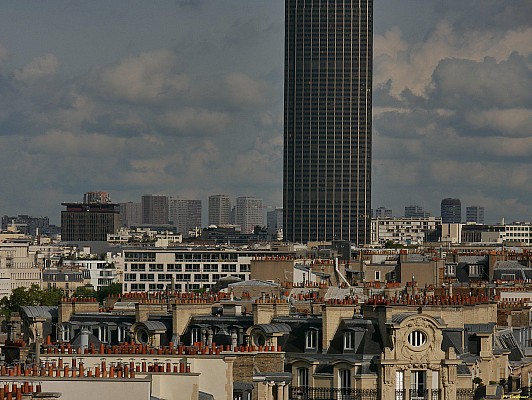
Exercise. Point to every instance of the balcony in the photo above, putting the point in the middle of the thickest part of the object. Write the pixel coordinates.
(321, 393)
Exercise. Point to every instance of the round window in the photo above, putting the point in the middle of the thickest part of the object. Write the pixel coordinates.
(417, 338)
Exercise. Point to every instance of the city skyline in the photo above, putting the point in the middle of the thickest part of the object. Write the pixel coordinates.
(186, 97)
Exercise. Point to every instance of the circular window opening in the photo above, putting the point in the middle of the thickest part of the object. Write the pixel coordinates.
(417, 338)
(142, 336)
(260, 340)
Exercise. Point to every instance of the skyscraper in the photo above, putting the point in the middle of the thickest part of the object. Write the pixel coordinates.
(91, 220)
(451, 211)
(475, 214)
(184, 214)
(327, 113)
(154, 209)
(415, 211)
(249, 213)
(219, 210)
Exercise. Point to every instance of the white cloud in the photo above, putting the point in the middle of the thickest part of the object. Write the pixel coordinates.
(515, 122)
(37, 68)
(146, 78)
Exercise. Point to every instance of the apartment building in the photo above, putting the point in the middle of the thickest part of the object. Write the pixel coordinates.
(155, 270)
(405, 231)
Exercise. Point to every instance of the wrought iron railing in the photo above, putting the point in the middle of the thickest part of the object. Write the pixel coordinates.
(465, 394)
(419, 394)
(322, 393)
(400, 394)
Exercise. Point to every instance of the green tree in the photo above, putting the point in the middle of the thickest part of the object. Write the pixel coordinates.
(106, 291)
(33, 296)
(84, 291)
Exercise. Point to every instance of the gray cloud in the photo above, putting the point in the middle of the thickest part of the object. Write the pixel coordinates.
(195, 106)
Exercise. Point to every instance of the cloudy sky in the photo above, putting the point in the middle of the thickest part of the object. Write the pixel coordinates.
(185, 98)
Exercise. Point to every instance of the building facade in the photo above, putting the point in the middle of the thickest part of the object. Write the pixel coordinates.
(249, 213)
(274, 220)
(415, 211)
(154, 209)
(405, 231)
(185, 270)
(327, 132)
(184, 214)
(130, 214)
(219, 210)
(89, 222)
(383, 212)
(475, 214)
(451, 211)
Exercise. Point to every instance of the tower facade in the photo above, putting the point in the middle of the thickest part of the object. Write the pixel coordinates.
(249, 213)
(219, 209)
(154, 209)
(327, 114)
(451, 211)
(475, 214)
(184, 214)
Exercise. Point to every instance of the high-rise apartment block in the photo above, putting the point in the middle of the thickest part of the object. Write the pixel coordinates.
(451, 211)
(327, 114)
(414, 211)
(383, 212)
(184, 214)
(475, 214)
(130, 214)
(274, 220)
(154, 209)
(219, 210)
(249, 213)
(89, 221)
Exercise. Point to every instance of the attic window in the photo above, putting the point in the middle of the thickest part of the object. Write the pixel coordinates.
(349, 340)
(417, 338)
(311, 341)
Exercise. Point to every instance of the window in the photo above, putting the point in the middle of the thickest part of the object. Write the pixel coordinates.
(417, 338)
(311, 339)
(195, 335)
(228, 267)
(349, 340)
(156, 267)
(173, 267)
(399, 385)
(377, 275)
(302, 377)
(344, 380)
(450, 270)
(417, 385)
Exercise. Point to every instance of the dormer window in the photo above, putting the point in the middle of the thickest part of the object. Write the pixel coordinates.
(311, 340)
(195, 335)
(349, 340)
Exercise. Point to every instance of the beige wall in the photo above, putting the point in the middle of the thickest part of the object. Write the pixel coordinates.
(278, 271)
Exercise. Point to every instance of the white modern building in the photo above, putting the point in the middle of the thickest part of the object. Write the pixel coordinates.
(249, 213)
(156, 270)
(406, 231)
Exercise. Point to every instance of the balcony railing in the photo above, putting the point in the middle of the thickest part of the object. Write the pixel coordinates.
(465, 394)
(321, 393)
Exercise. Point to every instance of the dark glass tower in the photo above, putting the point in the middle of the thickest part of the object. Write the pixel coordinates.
(451, 211)
(327, 114)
